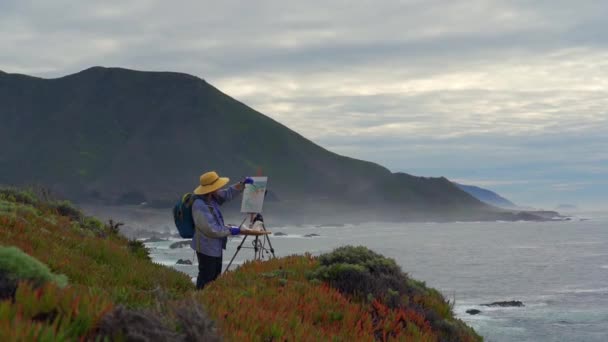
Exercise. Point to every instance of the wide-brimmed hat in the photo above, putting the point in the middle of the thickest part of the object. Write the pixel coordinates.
(209, 182)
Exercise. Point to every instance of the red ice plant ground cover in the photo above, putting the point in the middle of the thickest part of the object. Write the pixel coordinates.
(276, 300)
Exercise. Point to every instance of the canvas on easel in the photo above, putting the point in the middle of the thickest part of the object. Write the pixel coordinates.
(253, 196)
(253, 202)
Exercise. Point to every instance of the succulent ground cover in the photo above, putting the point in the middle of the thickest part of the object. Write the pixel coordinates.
(304, 298)
(66, 276)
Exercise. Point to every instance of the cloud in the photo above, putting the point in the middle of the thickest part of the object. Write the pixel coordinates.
(482, 90)
(570, 186)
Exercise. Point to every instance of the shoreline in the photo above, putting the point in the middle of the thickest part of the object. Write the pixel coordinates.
(139, 219)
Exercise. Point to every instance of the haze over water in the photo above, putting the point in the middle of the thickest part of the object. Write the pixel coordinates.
(559, 270)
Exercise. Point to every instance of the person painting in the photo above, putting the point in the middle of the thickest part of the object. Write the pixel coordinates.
(210, 230)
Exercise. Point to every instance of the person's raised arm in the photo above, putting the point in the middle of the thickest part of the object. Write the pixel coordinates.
(234, 190)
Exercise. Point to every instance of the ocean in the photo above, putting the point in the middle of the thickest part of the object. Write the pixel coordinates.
(559, 270)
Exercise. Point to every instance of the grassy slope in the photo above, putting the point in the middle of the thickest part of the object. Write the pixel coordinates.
(75, 248)
(270, 300)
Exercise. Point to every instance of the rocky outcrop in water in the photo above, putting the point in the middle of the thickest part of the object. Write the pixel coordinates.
(505, 304)
(180, 244)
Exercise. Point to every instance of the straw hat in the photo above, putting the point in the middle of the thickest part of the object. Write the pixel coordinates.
(209, 182)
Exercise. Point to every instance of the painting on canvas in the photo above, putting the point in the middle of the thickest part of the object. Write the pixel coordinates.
(253, 196)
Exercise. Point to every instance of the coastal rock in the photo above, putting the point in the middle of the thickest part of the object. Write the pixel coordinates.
(279, 234)
(311, 235)
(505, 304)
(533, 215)
(473, 311)
(180, 244)
(184, 262)
(529, 216)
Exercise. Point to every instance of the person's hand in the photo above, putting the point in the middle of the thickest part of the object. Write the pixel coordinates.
(240, 186)
(234, 230)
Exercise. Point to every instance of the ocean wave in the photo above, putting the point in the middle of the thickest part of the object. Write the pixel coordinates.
(583, 291)
(294, 236)
(160, 246)
(580, 243)
(525, 247)
(164, 239)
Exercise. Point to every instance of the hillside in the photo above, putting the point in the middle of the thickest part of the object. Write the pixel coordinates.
(487, 196)
(120, 136)
(66, 277)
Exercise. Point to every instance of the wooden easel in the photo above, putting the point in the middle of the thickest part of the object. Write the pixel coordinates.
(258, 245)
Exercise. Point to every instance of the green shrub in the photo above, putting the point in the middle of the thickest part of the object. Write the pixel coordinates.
(17, 265)
(65, 208)
(360, 272)
(114, 227)
(11, 207)
(92, 223)
(139, 249)
(15, 201)
(18, 196)
(368, 276)
(362, 256)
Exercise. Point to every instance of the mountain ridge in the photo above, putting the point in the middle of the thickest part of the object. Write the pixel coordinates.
(112, 134)
(487, 196)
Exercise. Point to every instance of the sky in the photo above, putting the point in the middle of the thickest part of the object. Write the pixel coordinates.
(508, 95)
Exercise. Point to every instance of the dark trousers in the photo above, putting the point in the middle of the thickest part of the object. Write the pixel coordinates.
(209, 268)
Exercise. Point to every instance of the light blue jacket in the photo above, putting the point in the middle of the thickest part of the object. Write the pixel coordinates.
(211, 231)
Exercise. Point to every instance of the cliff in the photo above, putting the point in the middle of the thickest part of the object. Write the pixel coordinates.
(65, 276)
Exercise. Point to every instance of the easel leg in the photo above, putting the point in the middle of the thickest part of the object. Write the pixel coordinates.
(269, 244)
(237, 251)
(238, 248)
(257, 252)
(258, 246)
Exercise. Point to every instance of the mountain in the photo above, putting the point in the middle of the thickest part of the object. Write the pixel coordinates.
(487, 196)
(113, 135)
(566, 207)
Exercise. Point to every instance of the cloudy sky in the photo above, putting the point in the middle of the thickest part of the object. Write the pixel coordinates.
(509, 95)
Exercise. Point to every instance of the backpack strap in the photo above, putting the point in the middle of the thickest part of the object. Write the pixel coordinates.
(217, 218)
(211, 209)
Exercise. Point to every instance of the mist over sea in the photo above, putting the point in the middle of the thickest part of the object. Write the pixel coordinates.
(559, 270)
